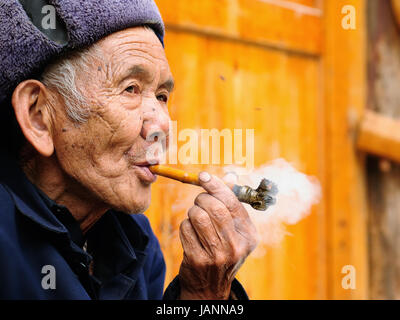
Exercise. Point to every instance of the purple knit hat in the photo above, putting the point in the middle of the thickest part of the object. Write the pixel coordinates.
(28, 41)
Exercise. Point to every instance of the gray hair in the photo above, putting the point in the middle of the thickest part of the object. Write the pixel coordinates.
(61, 76)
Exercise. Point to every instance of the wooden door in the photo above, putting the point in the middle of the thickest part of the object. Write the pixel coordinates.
(288, 70)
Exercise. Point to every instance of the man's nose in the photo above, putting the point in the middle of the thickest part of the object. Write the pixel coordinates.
(156, 121)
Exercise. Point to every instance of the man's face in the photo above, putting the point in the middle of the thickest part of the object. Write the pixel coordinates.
(127, 92)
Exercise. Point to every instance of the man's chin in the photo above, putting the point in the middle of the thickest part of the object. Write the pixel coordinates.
(138, 206)
(137, 210)
(130, 198)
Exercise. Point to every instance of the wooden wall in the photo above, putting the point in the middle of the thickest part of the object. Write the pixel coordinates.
(383, 176)
(290, 71)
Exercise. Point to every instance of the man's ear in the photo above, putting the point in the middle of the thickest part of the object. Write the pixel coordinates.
(29, 102)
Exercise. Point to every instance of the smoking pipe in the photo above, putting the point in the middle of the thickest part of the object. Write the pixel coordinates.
(260, 198)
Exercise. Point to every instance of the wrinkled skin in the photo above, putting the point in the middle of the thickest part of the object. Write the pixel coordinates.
(95, 166)
(101, 154)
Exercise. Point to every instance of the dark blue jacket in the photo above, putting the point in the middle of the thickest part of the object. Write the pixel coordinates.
(128, 262)
(31, 237)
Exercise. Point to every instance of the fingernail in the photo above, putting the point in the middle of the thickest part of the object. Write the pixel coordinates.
(204, 176)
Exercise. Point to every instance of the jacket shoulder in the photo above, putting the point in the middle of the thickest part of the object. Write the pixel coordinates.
(7, 209)
(5, 196)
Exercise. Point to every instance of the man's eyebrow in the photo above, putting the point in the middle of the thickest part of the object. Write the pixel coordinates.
(169, 85)
(139, 70)
(134, 71)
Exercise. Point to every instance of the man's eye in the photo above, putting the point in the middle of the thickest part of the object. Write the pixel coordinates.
(163, 98)
(132, 89)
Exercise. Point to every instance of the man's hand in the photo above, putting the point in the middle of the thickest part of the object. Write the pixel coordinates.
(216, 238)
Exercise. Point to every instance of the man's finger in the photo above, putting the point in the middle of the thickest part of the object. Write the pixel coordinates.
(220, 217)
(204, 228)
(190, 242)
(218, 189)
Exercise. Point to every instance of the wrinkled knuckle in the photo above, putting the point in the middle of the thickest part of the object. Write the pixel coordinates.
(233, 204)
(201, 198)
(191, 212)
(184, 226)
(194, 213)
(220, 211)
(200, 217)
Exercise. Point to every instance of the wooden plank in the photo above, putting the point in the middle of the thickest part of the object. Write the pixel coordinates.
(278, 24)
(384, 175)
(344, 65)
(227, 84)
(379, 135)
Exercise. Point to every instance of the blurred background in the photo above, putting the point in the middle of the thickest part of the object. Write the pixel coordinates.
(322, 94)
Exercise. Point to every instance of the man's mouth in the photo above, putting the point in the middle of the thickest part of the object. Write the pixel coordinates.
(144, 173)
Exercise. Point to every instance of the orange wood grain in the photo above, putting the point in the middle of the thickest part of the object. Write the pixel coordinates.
(276, 23)
(344, 65)
(253, 64)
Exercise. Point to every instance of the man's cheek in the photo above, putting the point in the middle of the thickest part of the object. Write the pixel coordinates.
(130, 130)
(124, 138)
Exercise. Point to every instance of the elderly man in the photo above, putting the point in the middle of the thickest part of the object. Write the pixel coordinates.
(80, 104)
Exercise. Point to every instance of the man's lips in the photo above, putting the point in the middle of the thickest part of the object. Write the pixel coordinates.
(144, 172)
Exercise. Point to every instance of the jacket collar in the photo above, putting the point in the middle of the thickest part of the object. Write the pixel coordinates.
(113, 257)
